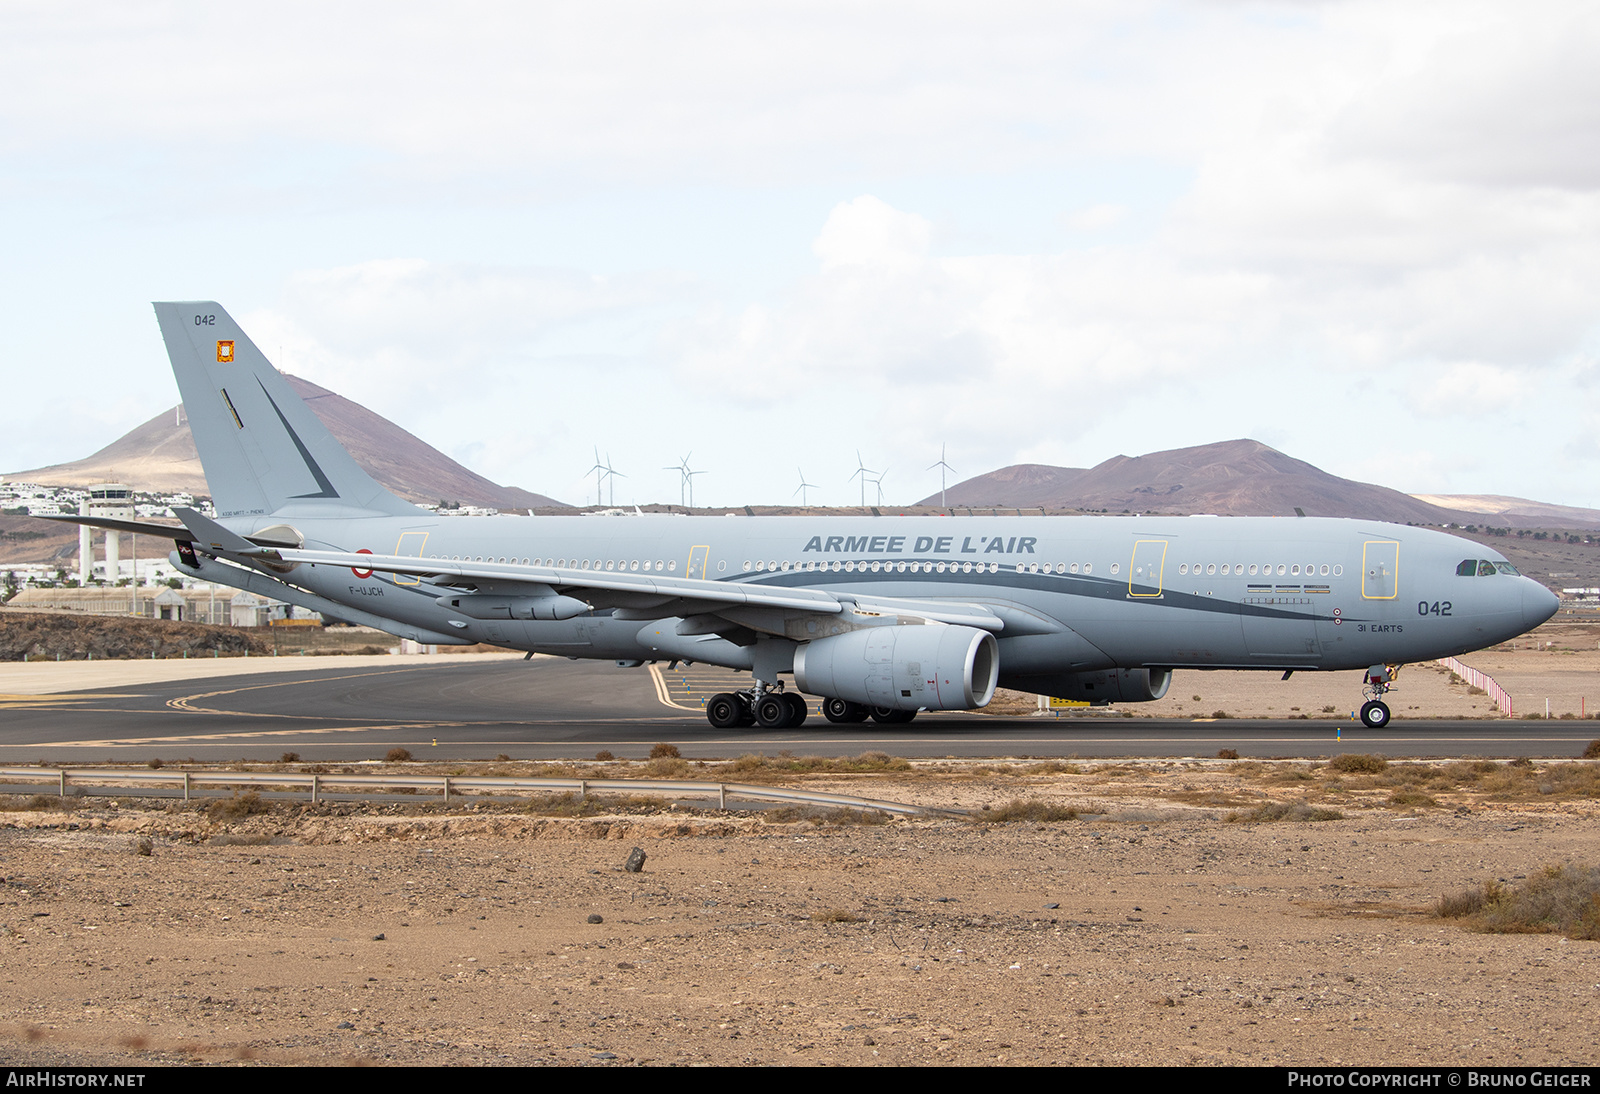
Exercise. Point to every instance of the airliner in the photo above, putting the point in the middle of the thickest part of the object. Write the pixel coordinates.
(880, 616)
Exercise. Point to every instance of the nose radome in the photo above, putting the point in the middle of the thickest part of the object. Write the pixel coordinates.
(1538, 604)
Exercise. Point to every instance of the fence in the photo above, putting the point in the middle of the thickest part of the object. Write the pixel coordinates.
(446, 785)
(1480, 680)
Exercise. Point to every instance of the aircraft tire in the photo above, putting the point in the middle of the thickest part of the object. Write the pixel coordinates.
(843, 710)
(1374, 715)
(773, 711)
(797, 710)
(890, 716)
(724, 711)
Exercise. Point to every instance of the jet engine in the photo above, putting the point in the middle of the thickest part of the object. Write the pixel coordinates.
(929, 667)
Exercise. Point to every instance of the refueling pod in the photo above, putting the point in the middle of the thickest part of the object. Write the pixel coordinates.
(480, 606)
(929, 667)
(1099, 688)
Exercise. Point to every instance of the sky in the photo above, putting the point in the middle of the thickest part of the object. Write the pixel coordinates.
(796, 239)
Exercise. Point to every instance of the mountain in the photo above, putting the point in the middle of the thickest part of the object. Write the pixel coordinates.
(1233, 478)
(1519, 512)
(160, 456)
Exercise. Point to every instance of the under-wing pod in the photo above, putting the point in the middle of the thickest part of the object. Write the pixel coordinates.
(905, 667)
(1099, 688)
(479, 606)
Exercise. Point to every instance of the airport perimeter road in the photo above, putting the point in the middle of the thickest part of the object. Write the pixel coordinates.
(556, 709)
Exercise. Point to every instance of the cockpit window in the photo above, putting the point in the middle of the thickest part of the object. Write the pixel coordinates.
(1507, 568)
(1467, 568)
(1485, 568)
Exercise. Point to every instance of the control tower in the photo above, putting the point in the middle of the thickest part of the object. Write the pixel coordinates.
(106, 499)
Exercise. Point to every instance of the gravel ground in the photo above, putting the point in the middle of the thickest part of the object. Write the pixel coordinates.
(1150, 931)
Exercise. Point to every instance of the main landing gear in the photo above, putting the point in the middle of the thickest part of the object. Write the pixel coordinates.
(770, 708)
(842, 710)
(760, 705)
(1379, 679)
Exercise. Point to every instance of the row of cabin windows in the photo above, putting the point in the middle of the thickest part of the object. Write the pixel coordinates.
(635, 565)
(1482, 567)
(1267, 570)
(761, 566)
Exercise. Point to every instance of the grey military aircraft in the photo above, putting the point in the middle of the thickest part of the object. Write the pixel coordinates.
(881, 616)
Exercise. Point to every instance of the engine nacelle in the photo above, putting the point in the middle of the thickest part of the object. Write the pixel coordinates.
(904, 667)
(1099, 688)
(479, 606)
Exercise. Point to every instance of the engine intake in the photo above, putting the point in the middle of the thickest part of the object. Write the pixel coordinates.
(904, 667)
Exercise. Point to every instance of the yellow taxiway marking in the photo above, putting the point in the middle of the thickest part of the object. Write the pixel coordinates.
(185, 702)
(661, 690)
(204, 738)
(60, 701)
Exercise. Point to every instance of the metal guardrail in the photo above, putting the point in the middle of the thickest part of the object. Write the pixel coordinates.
(448, 785)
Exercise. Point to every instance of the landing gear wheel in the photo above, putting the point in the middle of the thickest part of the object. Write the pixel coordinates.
(724, 711)
(1374, 715)
(773, 711)
(843, 710)
(889, 716)
(797, 710)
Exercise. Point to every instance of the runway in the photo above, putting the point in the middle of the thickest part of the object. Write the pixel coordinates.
(551, 708)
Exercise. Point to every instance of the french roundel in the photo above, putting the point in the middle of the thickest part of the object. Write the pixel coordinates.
(361, 573)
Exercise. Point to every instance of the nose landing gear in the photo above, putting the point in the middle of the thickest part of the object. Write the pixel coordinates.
(1379, 679)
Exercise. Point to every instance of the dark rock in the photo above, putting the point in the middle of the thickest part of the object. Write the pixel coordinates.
(596, 919)
(635, 861)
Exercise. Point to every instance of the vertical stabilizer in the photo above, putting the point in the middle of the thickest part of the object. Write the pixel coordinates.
(262, 448)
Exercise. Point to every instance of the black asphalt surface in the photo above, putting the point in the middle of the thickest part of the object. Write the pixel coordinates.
(555, 709)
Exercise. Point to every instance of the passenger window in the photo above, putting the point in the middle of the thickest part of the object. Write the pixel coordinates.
(1467, 568)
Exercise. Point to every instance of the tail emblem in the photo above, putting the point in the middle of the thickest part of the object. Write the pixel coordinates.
(225, 353)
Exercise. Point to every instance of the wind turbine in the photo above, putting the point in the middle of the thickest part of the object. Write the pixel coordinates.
(612, 473)
(878, 482)
(804, 486)
(863, 470)
(600, 472)
(943, 468)
(685, 479)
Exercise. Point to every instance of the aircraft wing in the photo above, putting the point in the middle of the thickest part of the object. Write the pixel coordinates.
(138, 527)
(644, 596)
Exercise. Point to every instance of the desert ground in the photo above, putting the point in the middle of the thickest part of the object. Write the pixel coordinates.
(1087, 912)
(1148, 929)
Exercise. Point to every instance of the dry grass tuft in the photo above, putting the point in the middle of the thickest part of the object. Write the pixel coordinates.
(1359, 763)
(1557, 900)
(755, 767)
(1283, 811)
(1031, 809)
(788, 814)
(1227, 753)
(589, 805)
(398, 756)
(237, 807)
(664, 752)
(1592, 751)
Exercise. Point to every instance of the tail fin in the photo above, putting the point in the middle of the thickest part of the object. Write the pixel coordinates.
(262, 448)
